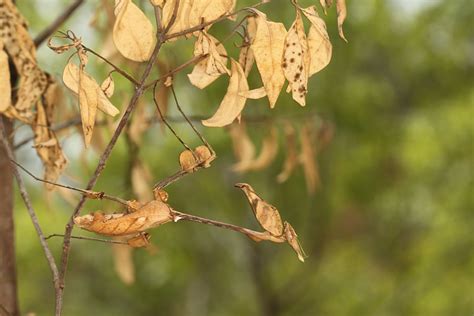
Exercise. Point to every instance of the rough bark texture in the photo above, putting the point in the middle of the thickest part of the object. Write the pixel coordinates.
(8, 282)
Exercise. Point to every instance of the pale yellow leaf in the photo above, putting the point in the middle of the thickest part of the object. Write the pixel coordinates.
(341, 17)
(5, 86)
(181, 22)
(232, 104)
(133, 33)
(296, 60)
(254, 94)
(213, 66)
(88, 102)
(246, 55)
(71, 80)
(319, 45)
(267, 47)
(208, 10)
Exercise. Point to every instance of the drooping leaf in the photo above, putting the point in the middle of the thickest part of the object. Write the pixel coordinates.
(296, 60)
(291, 160)
(341, 17)
(265, 213)
(308, 160)
(242, 145)
(133, 33)
(267, 154)
(267, 47)
(108, 86)
(123, 263)
(232, 104)
(292, 239)
(319, 45)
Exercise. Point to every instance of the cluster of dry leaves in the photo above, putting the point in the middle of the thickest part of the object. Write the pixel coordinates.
(281, 55)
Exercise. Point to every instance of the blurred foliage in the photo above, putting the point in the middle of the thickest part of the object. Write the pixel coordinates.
(389, 233)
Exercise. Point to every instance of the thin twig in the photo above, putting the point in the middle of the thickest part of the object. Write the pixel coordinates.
(105, 155)
(47, 32)
(110, 241)
(29, 207)
(87, 193)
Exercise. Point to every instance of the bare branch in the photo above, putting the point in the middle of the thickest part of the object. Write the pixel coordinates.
(24, 194)
(47, 32)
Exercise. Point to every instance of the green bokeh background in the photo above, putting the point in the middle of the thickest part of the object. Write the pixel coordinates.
(390, 232)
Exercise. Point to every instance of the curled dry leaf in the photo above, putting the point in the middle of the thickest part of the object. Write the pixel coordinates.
(5, 87)
(213, 66)
(254, 94)
(204, 155)
(308, 160)
(292, 239)
(187, 161)
(108, 86)
(296, 60)
(291, 160)
(325, 4)
(341, 17)
(267, 47)
(232, 104)
(265, 213)
(319, 45)
(150, 215)
(123, 263)
(242, 145)
(133, 33)
(246, 55)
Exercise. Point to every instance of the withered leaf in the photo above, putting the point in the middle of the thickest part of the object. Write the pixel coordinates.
(291, 160)
(5, 86)
(265, 213)
(292, 239)
(232, 104)
(108, 86)
(141, 181)
(341, 17)
(213, 66)
(267, 154)
(133, 33)
(187, 161)
(319, 45)
(254, 94)
(150, 215)
(267, 47)
(246, 55)
(296, 60)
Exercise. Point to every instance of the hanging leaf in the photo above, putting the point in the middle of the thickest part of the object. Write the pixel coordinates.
(292, 239)
(267, 48)
(108, 86)
(141, 181)
(133, 33)
(296, 60)
(246, 55)
(233, 103)
(213, 66)
(341, 17)
(88, 102)
(266, 214)
(5, 87)
(319, 45)
(243, 147)
(266, 156)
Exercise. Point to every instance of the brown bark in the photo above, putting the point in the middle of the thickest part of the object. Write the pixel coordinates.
(8, 282)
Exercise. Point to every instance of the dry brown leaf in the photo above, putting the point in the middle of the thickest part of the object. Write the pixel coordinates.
(123, 263)
(187, 161)
(292, 239)
(291, 160)
(108, 86)
(319, 45)
(232, 104)
(308, 160)
(139, 241)
(267, 47)
(204, 156)
(265, 213)
(5, 86)
(133, 33)
(150, 215)
(296, 60)
(341, 17)
(244, 150)
(325, 4)
(246, 55)
(213, 66)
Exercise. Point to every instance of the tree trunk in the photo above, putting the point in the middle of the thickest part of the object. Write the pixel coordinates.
(8, 283)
